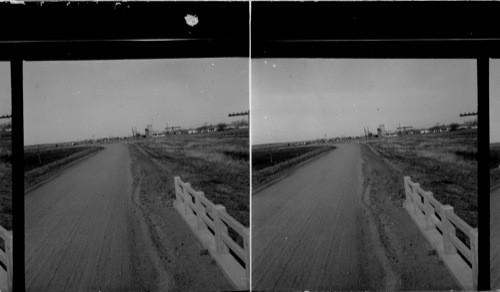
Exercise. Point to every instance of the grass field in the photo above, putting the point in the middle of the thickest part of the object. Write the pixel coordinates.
(34, 158)
(267, 157)
(216, 164)
(269, 163)
(6, 184)
(445, 164)
(42, 164)
(495, 165)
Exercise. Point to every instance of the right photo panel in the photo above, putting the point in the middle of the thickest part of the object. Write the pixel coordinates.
(364, 174)
(495, 173)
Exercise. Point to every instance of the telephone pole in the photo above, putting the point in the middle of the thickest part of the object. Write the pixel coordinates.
(404, 128)
(247, 113)
(468, 114)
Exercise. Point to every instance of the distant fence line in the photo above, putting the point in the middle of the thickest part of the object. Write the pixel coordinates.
(6, 255)
(439, 225)
(210, 224)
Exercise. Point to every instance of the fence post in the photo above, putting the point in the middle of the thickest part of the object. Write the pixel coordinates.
(473, 248)
(407, 191)
(8, 255)
(416, 198)
(200, 210)
(187, 196)
(448, 230)
(246, 248)
(220, 228)
(429, 210)
(178, 193)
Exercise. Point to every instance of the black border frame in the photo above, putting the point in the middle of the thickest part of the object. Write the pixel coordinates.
(147, 30)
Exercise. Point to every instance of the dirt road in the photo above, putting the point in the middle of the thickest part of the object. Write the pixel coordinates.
(104, 224)
(337, 223)
(76, 227)
(495, 239)
(309, 231)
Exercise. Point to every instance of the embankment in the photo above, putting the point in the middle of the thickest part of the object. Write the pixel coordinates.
(414, 261)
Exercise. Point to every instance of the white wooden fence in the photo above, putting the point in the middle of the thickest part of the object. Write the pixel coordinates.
(6, 256)
(439, 224)
(210, 224)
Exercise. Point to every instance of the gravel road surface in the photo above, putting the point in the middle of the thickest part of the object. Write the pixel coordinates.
(308, 228)
(76, 227)
(107, 224)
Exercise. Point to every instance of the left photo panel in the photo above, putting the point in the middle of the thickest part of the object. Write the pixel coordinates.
(5, 178)
(133, 170)
(131, 147)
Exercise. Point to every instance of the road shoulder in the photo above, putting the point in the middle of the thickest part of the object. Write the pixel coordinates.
(415, 263)
(179, 259)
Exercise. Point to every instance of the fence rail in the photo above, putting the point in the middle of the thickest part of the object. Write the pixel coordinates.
(6, 256)
(439, 224)
(211, 224)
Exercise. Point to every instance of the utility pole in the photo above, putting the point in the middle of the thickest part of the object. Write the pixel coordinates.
(404, 128)
(173, 128)
(469, 123)
(468, 114)
(247, 113)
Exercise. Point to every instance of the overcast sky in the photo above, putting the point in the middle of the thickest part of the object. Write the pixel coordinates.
(299, 99)
(67, 101)
(494, 101)
(292, 99)
(5, 95)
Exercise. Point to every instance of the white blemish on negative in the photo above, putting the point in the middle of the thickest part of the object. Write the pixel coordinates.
(191, 20)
